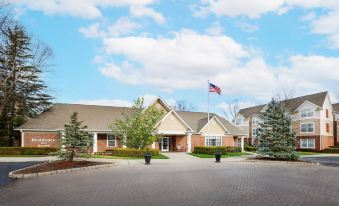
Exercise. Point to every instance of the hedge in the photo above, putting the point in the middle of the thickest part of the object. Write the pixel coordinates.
(27, 150)
(250, 148)
(127, 152)
(214, 149)
(331, 150)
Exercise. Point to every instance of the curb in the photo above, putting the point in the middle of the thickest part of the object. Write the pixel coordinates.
(285, 162)
(22, 176)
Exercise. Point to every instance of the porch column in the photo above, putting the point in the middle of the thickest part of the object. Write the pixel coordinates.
(189, 142)
(22, 139)
(95, 142)
(242, 144)
(153, 145)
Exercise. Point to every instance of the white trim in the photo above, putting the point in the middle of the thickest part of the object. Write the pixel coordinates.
(189, 142)
(301, 147)
(306, 123)
(22, 139)
(159, 98)
(153, 145)
(170, 132)
(305, 103)
(161, 144)
(115, 140)
(313, 113)
(242, 144)
(216, 136)
(177, 115)
(208, 122)
(95, 142)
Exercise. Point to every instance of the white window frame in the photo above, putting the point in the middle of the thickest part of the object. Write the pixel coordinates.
(115, 140)
(309, 112)
(307, 129)
(337, 115)
(238, 121)
(254, 134)
(307, 143)
(215, 137)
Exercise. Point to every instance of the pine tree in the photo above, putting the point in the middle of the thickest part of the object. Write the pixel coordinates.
(22, 91)
(275, 135)
(76, 140)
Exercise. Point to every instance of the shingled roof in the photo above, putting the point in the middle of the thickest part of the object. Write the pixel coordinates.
(99, 118)
(291, 104)
(336, 107)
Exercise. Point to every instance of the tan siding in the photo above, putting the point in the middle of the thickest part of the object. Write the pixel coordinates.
(296, 127)
(171, 123)
(213, 128)
(159, 105)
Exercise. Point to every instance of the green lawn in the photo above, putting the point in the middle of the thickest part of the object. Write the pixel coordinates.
(235, 154)
(160, 156)
(308, 153)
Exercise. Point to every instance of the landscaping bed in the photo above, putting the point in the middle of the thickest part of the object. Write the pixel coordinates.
(57, 165)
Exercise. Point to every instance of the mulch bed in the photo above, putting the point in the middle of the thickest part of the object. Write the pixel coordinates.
(58, 165)
(274, 159)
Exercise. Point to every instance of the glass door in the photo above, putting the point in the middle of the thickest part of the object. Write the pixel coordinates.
(165, 144)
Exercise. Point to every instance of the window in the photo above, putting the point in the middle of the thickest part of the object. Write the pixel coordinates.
(306, 113)
(307, 143)
(254, 131)
(213, 141)
(326, 113)
(307, 128)
(327, 127)
(111, 140)
(255, 121)
(337, 117)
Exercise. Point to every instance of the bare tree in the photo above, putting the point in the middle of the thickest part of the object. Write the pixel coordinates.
(182, 105)
(231, 111)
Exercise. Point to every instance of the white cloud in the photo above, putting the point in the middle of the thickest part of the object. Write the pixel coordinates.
(89, 9)
(257, 8)
(142, 11)
(107, 102)
(328, 25)
(122, 26)
(188, 59)
(214, 29)
(247, 26)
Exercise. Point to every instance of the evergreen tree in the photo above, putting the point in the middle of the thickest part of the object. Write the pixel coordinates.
(137, 128)
(76, 140)
(22, 91)
(275, 135)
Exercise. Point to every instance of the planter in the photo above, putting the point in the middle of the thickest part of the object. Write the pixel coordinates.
(148, 157)
(217, 156)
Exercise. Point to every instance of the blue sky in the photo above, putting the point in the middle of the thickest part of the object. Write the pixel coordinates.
(112, 51)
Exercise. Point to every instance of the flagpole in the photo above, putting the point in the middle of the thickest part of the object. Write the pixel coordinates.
(208, 106)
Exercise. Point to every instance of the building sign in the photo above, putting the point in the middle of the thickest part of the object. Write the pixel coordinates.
(43, 142)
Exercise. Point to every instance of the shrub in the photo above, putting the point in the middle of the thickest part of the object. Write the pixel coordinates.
(331, 150)
(129, 152)
(214, 149)
(250, 148)
(27, 150)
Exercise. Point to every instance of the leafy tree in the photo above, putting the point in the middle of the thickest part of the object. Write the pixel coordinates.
(275, 135)
(22, 91)
(76, 140)
(137, 127)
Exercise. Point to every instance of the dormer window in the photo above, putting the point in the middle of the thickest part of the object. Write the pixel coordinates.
(306, 113)
(238, 121)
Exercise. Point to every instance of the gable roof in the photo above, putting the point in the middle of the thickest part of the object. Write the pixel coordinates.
(99, 118)
(291, 104)
(336, 107)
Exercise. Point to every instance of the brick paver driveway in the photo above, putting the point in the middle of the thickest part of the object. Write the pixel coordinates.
(182, 183)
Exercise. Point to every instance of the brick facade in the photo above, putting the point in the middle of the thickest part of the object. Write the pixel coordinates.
(40, 139)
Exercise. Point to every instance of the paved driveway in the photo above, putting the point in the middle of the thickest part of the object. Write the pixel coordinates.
(6, 167)
(328, 160)
(176, 183)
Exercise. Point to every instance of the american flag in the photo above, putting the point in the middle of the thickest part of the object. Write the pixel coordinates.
(213, 88)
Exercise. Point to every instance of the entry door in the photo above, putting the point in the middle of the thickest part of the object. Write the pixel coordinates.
(165, 144)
